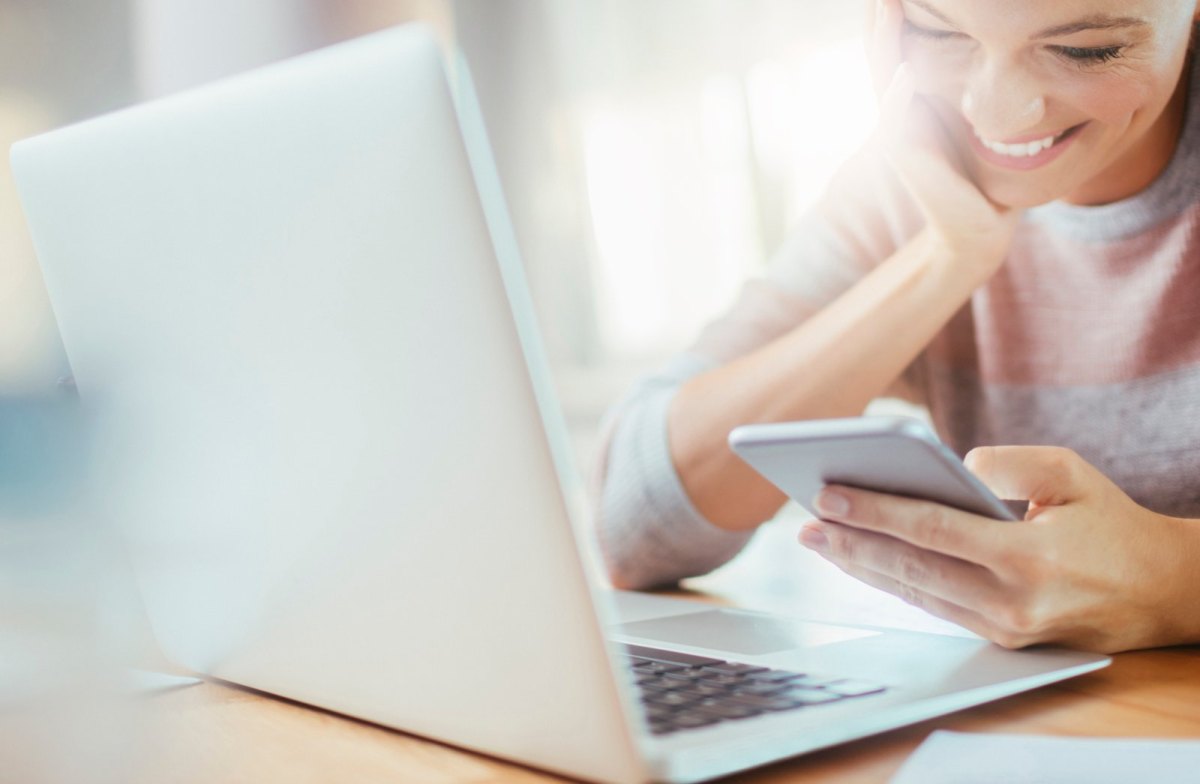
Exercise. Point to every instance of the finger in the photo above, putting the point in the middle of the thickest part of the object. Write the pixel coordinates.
(968, 619)
(894, 104)
(869, 19)
(1042, 475)
(966, 584)
(925, 524)
(885, 56)
(916, 146)
(911, 135)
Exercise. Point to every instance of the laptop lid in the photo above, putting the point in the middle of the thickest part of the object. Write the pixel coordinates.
(286, 310)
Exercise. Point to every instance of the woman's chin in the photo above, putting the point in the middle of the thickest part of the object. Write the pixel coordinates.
(1011, 192)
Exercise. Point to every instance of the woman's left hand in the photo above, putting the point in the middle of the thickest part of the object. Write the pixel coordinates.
(1088, 567)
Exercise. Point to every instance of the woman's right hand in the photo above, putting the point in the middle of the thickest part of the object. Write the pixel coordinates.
(972, 228)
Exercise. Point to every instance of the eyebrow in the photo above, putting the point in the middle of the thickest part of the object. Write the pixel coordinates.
(1090, 22)
(1093, 22)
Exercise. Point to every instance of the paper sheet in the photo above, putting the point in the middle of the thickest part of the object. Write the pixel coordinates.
(983, 758)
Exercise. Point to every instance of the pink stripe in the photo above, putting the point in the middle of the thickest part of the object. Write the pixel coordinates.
(1062, 312)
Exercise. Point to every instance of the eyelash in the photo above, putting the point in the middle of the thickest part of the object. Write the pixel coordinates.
(1103, 54)
(1081, 56)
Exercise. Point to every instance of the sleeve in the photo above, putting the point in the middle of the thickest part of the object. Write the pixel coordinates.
(649, 532)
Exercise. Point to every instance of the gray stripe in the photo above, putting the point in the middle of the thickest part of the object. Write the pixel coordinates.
(651, 534)
(1143, 434)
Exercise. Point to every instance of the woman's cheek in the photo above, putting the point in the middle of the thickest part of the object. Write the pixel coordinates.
(1109, 99)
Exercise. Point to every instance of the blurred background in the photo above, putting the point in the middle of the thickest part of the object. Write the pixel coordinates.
(654, 153)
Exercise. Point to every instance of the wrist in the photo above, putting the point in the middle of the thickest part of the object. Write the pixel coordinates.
(958, 265)
(1181, 623)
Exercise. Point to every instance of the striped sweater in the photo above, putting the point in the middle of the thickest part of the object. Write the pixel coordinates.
(1088, 337)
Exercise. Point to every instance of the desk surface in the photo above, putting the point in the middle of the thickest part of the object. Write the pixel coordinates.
(214, 732)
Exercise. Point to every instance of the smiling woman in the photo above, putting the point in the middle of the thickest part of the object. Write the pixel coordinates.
(1018, 250)
(1087, 110)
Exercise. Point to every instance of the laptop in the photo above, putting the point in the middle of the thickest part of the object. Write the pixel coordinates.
(296, 318)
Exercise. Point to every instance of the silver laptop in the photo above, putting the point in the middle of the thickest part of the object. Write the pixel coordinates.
(295, 312)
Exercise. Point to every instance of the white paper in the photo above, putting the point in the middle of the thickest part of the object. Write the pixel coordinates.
(983, 758)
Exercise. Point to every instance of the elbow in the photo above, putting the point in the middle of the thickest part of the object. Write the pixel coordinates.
(624, 559)
(623, 578)
(620, 568)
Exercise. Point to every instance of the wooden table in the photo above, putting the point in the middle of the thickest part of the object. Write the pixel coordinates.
(213, 732)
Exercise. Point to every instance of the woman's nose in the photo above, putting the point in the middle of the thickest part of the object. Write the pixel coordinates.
(1001, 103)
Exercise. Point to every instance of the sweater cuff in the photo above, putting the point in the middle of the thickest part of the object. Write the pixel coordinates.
(651, 532)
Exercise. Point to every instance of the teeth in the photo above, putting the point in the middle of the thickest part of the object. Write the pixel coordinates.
(1022, 150)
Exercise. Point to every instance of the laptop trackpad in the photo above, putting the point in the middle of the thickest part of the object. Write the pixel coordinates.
(746, 633)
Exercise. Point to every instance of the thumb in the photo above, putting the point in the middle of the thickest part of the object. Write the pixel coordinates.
(1042, 475)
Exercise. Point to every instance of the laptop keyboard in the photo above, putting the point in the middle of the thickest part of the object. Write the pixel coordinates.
(681, 691)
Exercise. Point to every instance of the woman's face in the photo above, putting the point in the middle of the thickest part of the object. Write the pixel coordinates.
(1054, 99)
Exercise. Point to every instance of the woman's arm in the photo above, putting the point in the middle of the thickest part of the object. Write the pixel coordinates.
(831, 365)
(836, 362)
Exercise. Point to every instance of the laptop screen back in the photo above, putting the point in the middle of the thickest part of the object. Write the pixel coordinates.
(283, 309)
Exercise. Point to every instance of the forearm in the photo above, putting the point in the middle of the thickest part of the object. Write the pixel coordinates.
(832, 365)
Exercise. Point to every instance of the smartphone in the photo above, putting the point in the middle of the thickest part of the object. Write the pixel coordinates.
(896, 455)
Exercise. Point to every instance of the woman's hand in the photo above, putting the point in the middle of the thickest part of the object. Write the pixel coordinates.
(957, 213)
(1088, 567)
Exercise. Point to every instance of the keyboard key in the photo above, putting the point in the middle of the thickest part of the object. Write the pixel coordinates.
(655, 687)
(659, 713)
(767, 702)
(660, 667)
(723, 708)
(774, 676)
(687, 721)
(758, 687)
(713, 679)
(706, 689)
(673, 657)
(730, 668)
(671, 698)
(684, 676)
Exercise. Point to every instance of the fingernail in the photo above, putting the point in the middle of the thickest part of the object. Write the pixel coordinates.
(832, 503)
(812, 537)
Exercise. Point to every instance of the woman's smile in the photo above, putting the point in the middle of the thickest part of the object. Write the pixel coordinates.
(1030, 151)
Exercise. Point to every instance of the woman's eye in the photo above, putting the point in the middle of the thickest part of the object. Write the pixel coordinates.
(935, 35)
(1094, 56)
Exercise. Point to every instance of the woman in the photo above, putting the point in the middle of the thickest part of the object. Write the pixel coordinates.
(1018, 250)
